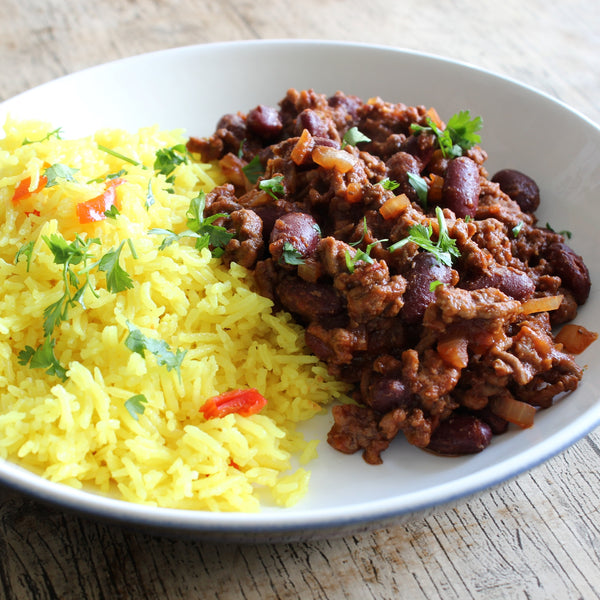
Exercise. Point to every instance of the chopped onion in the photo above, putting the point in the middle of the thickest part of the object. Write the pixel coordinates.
(513, 410)
(454, 352)
(575, 338)
(394, 206)
(354, 192)
(303, 147)
(543, 304)
(332, 158)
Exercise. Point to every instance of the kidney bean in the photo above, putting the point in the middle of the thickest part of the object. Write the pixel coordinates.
(422, 147)
(312, 301)
(417, 297)
(461, 187)
(264, 121)
(460, 434)
(571, 269)
(298, 229)
(510, 281)
(309, 119)
(387, 393)
(520, 187)
(399, 165)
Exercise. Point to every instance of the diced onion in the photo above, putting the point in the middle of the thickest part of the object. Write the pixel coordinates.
(436, 185)
(575, 338)
(454, 352)
(543, 304)
(394, 206)
(303, 147)
(513, 410)
(332, 158)
(354, 192)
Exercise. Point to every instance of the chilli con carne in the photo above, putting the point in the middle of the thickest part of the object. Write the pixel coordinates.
(419, 279)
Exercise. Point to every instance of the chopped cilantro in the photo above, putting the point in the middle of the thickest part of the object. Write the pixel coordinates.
(135, 405)
(43, 357)
(55, 132)
(167, 159)
(291, 255)
(59, 171)
(517, 229)
(25, 250)
(353, 136)
(389, 184)
(117, 279)
(444, 249)
(361, 255)
(120, 156)
(273, 186)
(253, 170)
(137, 342)
(420, 186)
(434, 284)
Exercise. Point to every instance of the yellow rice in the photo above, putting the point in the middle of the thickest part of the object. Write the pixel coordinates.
(79, 431)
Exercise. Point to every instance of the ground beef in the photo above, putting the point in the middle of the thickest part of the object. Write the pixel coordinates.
(433, 343)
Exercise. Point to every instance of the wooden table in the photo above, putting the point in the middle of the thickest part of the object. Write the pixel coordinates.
(535, 537)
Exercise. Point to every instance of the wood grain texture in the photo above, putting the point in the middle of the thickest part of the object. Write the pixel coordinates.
(536, 537)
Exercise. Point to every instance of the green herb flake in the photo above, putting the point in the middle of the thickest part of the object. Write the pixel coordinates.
(420, 186)
(53, 133)
(43, 357)
(434, 284)
(137, 342)
(274, 186)
(135, 405)
(389, 184)
(290, 255)
(168, 159)
(117, 279)
(353, 136)
(59, 171)
(444, 249)
(120, 156)
(25, 250)
(517, 228)
(253, 170)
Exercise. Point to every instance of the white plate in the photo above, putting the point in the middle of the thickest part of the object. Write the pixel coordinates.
(192, 87)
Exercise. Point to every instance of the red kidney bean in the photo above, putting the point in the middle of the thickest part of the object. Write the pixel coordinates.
(422, 147)
(295, 228)
(510, 281)
(418, 295)
(387, 393)
(460, 434)
(520, 187)
(313, 301)
(264, 121)
(571, 269)
(461, 187)
(309, 119)
(399, 165)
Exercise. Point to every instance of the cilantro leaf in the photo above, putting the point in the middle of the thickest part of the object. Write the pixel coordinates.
(444, 249)
(112, 212)
(517, 229)
(353, 136)
(43, 357)
(135, 405)
(291, 255)
(420, 186)
(25, 250)
(389, 184)
(167, 159)
(273, 186)
(59, 171)
(364, 255)
(117, 279)
(137, 342)
(55, 132)
(253, 170)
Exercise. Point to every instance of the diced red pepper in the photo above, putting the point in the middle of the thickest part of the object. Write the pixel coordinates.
(22, 190)
(93, 210)
(243, 402)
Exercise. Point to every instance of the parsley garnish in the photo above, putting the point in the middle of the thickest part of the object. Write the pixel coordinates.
(291, 255)
(253, 170)
(137, 342)
(135, 405)
(420, 186)
(434, 284)
(167, 159)
(43, 357)
(25, 250)
(460, 133)
(55, 132)
(202, 228)
(564, 232)
(59, 171)
(517, 229)
(273, 186)
(117, 279)
(353, 136)
(364, 255)
(444, 249)
(389, 184)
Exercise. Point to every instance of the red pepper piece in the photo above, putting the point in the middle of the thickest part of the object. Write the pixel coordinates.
(22, 190)
(243, 402)
(93, 210)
